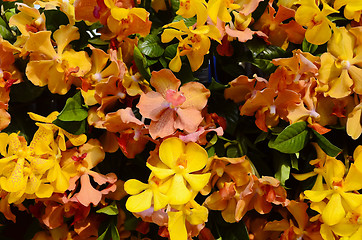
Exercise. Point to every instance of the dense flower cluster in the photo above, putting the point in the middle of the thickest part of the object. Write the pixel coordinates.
(190, 119)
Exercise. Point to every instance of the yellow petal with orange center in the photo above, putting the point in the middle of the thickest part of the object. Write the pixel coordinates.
(75, 60)
(171, 150)
(161, 173)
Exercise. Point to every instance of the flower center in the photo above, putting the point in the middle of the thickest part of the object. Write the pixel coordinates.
(175, 98)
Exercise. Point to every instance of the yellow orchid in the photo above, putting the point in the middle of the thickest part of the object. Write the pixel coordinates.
(179, 161)
(352, 8)
(190, 8)
(339, 190)
(47, 123)
(57, 69)
(195, 45)
(192, 213)
(220, 9)
(22, 169)
(146, 195)
(340, 70)
(316, 21)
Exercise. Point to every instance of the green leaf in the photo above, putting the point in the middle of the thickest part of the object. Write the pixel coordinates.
(265, 65)
(327, 146)
(211, 151)
(308, 47)
(98, 41)
(111, 209)
(292, 139)
(106, 235)
(256, 46)
(215, 86)
(75, 127)
(188, 21)
(55, 18)
(114, 232)
(4, 31)
(170, 51)
(73, 109)
(151, 46)
(141, 63)
(175, 4)
(294, 161)
(25, 92)
(232, 151)
(281, 166)
(262, 136)
(272, 52)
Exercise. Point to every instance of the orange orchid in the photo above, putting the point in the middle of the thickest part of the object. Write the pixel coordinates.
(169, 108)
(132, 139)
(279, 34)
(80, 162)
(125, 21)
(340, 69)
(57, 69)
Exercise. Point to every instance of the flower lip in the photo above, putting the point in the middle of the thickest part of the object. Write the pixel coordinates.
(175, 98)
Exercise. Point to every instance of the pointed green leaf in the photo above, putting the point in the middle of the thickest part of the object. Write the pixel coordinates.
(326, 145)
(292, 139)
(141, 63)
(73, 109)
(151, 46)
(282, 166)
(111, 209)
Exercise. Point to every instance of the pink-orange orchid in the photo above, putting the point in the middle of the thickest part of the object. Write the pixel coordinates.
(169, 108)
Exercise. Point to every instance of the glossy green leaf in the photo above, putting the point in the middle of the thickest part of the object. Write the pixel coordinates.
(55, 18)
(141, 63)
(114, 231)
(292, 139)
(111, 209)
(188, 21)
(97, 41)
(151, 46)
(73, 109)
(308, 47)
(25, 92)
(215, 86)
(326, 146)
(4, 31)
(74, 127)
(282, 166)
